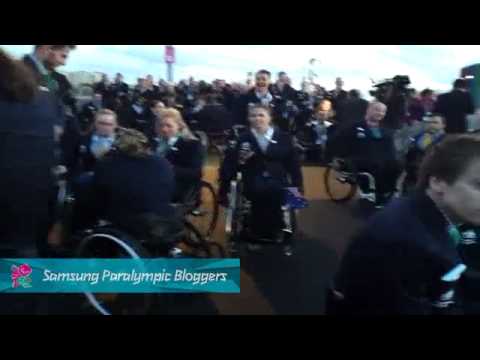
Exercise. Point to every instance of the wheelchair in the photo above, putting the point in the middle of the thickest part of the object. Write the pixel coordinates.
(201, 209)
(217, 142)
(106, 240)
(237, 218)
(341, 183)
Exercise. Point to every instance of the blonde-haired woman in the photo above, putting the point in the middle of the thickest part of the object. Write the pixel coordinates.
(174, 141)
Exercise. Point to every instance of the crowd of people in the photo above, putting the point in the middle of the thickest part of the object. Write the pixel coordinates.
(131, 152)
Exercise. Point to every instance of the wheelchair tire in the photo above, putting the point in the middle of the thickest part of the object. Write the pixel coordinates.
(338, 191)
(235, 217)
(198, 246)
(115, 244)
(205, 216)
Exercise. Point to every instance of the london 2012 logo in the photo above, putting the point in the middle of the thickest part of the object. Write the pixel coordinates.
(21, 276)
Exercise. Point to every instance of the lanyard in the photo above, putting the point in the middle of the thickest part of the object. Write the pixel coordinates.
(452, 230)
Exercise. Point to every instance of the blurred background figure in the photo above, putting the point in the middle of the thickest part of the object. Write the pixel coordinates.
(455, 106)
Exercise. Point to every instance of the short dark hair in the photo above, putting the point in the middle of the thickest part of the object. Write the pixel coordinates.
(449, 159)
(426, 92)
(460, 84)
(17, 81)
(264, 72)
(61, 47)
(354, 94)
(281, 73)
(267, 108)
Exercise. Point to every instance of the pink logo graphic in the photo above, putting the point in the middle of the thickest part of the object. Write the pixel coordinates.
(20, 276)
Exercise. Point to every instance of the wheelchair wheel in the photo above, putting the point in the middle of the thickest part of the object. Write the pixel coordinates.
(339, 187)
(197, 246)
(108, 243)
(236, 212)
(204, 216)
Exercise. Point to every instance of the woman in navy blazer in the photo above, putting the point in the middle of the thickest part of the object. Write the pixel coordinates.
(174, 141)
(269, 163)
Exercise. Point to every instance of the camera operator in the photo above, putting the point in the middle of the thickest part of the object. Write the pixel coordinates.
(393, 93)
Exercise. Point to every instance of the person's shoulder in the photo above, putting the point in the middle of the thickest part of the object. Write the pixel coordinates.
(397, 215)
(187, 141)
(281, 135)
(158, 162)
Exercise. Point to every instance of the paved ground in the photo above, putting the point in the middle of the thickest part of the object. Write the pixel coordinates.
(270, 282)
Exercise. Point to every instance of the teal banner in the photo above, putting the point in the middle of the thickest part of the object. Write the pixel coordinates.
(119, 275)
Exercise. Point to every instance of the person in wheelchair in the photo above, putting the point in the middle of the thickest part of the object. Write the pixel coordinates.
(412, 256)
(314, 134)
(97, 143)
(368, 147)
(133, 190)
(175, 142)
(433, 133)
(269, 163)
(90, 150)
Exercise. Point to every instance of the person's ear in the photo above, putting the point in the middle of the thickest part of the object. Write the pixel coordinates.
(437, 185)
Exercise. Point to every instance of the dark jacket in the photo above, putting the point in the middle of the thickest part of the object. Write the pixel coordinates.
(287, 93)
(26, 161)
(213, 119)
(186, 157)
(119, 89)
(396, 264)
(308, 134)
(241, 107)
(65, 91)
(27, 60)
(338, 103)
(354, 110)
(280, 162)
(83, 159)
(126, 187)
(27, 138)
(356, 142)
(108, 96)
(455, 106)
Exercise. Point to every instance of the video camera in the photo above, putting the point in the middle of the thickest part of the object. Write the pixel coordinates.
(398, 84)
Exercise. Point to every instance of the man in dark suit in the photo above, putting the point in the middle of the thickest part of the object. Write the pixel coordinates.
(57, 57)
(119, 88)
(338, 97)
(283, 89)
(455, 106)
(36, 62)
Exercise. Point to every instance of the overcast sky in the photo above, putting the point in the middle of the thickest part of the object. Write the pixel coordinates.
(434, 66)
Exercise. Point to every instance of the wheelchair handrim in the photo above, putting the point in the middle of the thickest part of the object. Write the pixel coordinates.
(353, 187)
(130, 251)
